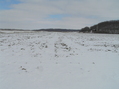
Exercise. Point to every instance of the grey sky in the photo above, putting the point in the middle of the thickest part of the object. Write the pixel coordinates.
(73, 14)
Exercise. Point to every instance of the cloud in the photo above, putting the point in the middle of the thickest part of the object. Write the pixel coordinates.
(36, 14)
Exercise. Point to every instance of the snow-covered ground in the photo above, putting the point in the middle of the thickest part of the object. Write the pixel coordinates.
(55, 60)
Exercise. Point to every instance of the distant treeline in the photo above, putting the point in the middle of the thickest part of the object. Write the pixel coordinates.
(11, 29)
(58, 30)
(111, 27)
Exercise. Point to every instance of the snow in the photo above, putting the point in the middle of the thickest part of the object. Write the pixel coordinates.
(56, 60)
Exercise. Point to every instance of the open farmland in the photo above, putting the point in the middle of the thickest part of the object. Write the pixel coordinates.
(57, 60)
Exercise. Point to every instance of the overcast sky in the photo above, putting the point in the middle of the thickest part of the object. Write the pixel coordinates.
(70, 14)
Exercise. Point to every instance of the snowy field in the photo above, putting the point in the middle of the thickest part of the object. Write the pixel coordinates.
(55, 60)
